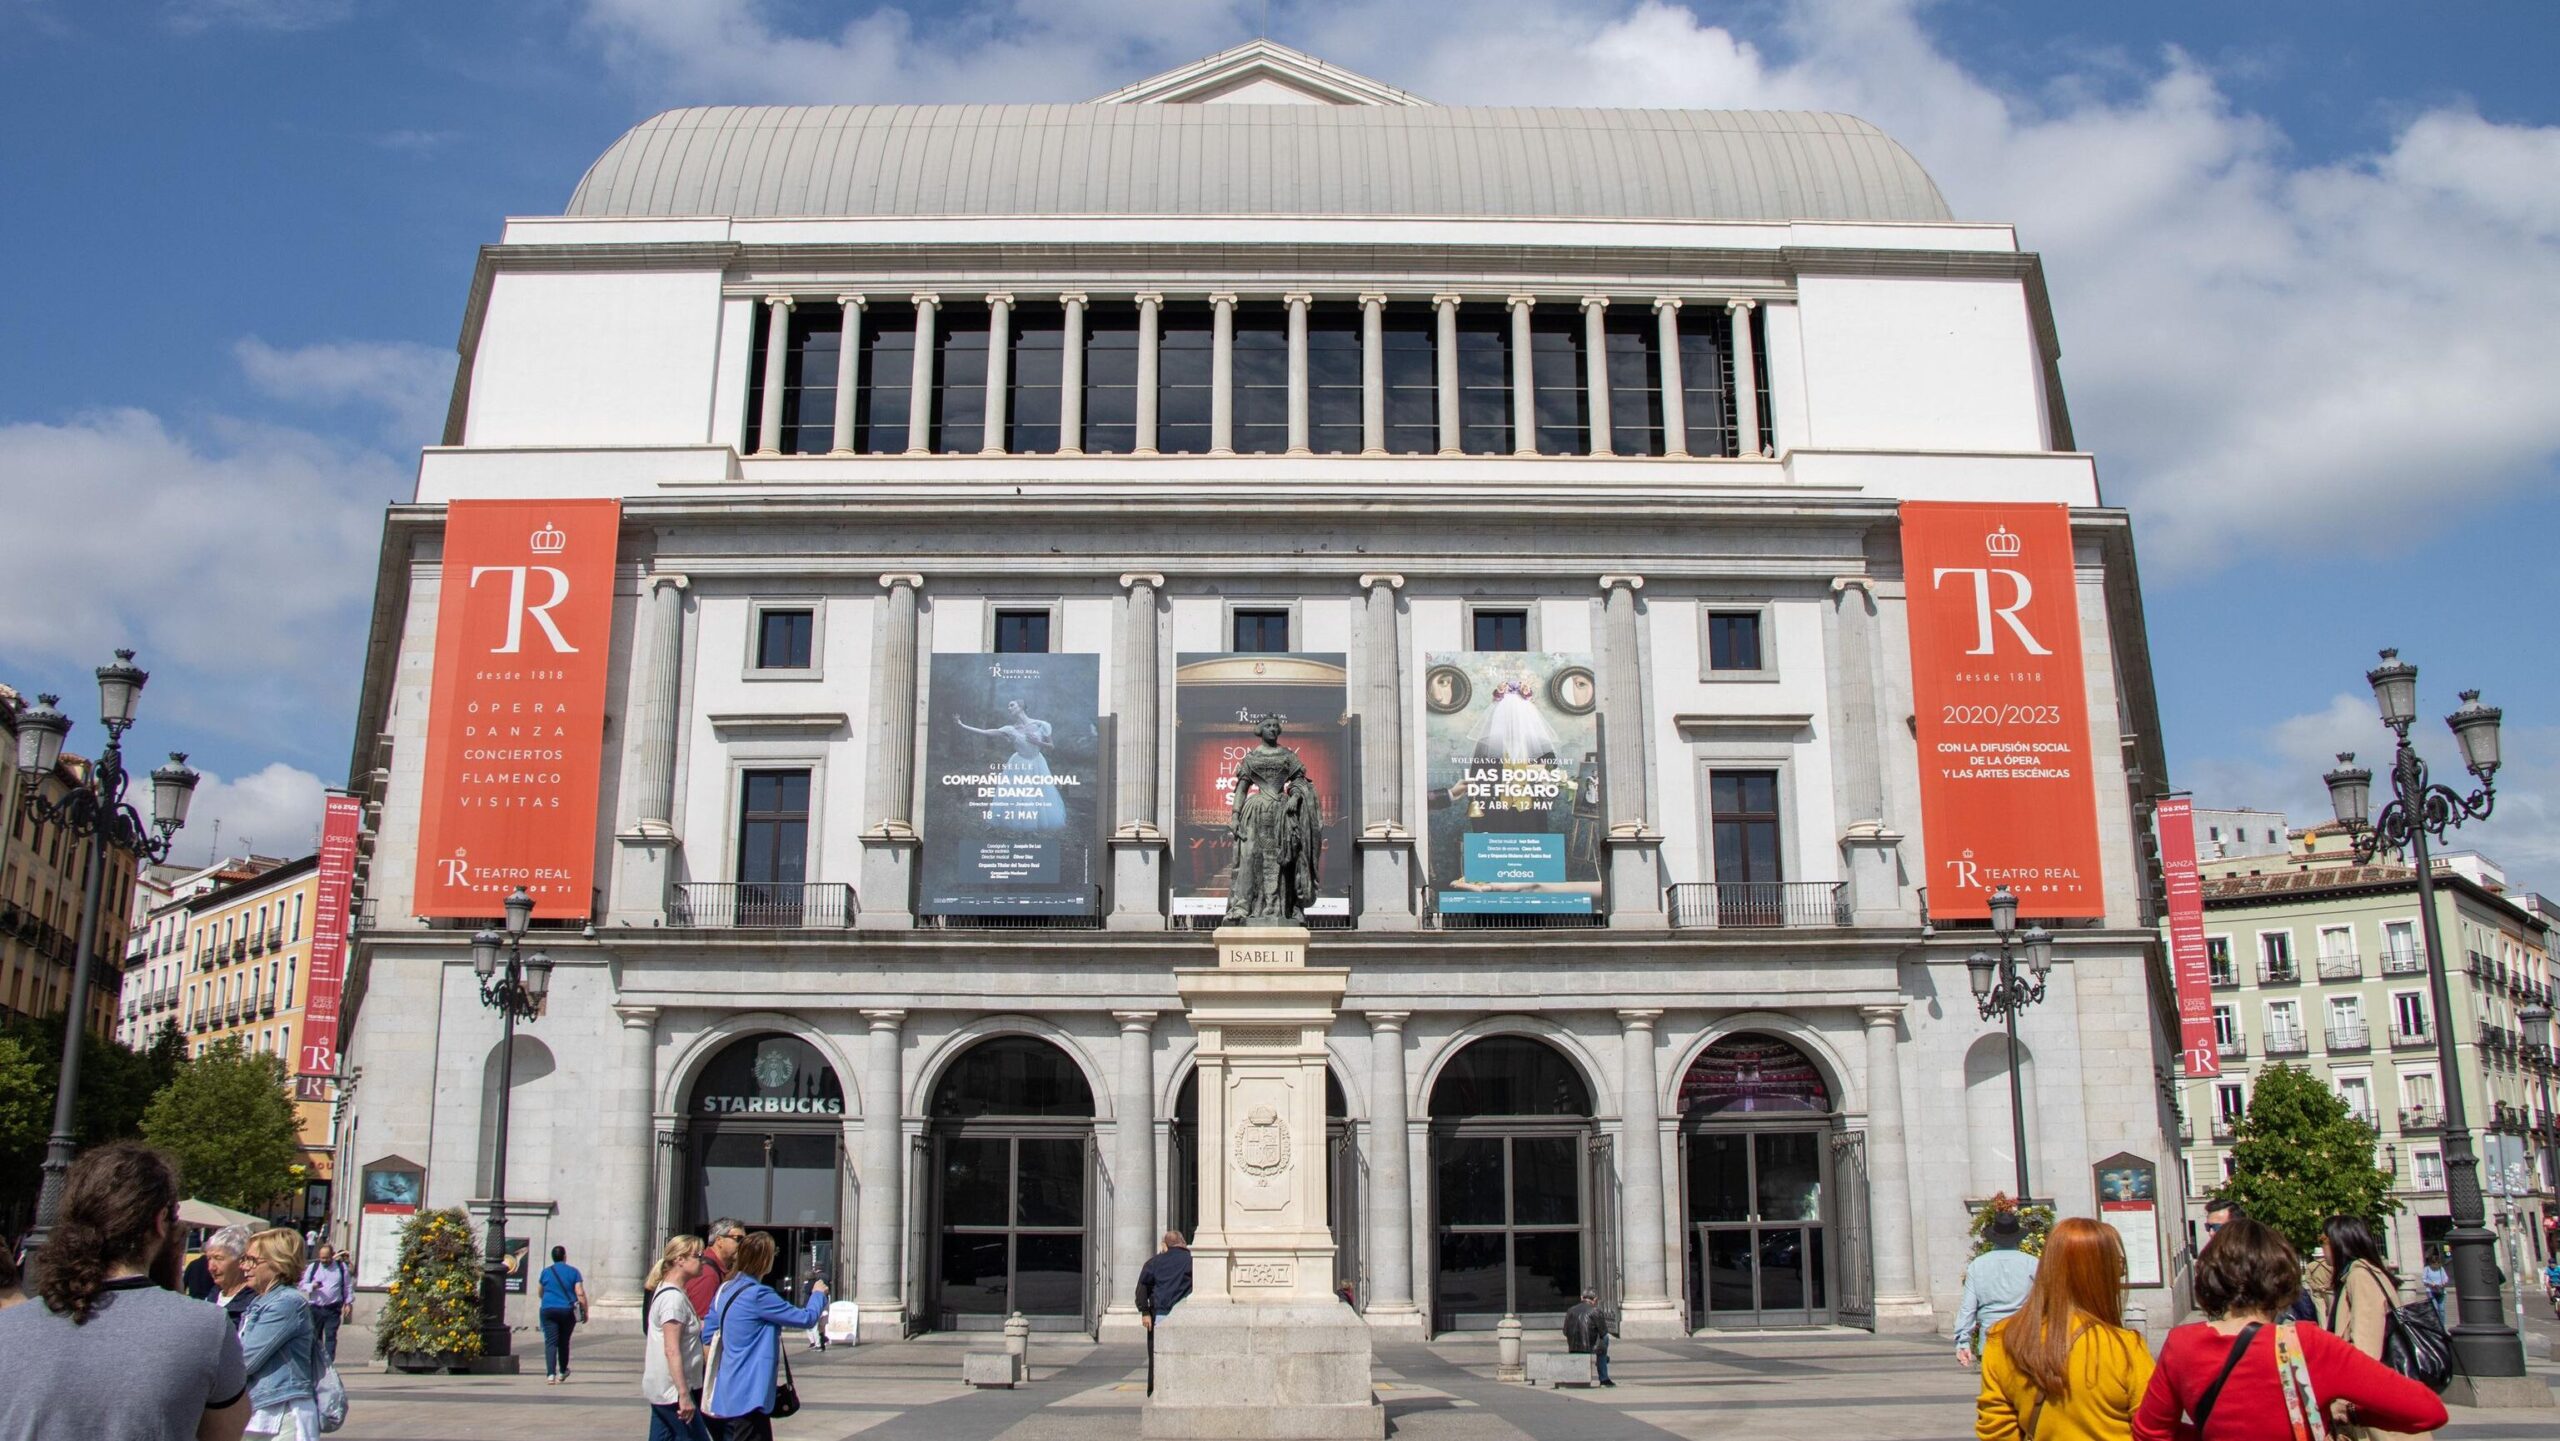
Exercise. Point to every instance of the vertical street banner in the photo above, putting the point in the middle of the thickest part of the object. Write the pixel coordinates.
(515, 731)
(2175, 817)
(1218, 698)
(2002, 707)
(317, 1064)
(1012, 789)
(1513, 769)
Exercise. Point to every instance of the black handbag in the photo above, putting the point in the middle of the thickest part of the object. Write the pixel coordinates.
(786, 1397)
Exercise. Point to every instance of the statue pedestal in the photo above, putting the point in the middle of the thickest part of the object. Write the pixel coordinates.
(1263, 1348)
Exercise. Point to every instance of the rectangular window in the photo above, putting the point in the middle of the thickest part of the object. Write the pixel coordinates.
(1745, 816)
(2429, 1166)
(1262, 631)
(1260, 367)
(2230, 1102)
(773, 829)
(1110, 381)
(1034, 368)
(2275, 956)
(811, 349)
(1562, 398)
(2357, 1092)
(1484, 380)
(2226, 1026)
(2284, 1024)
(1185, 342)
(1334, 384)
(1502, 630)
(2409, 1014)
(1767, 442)
(2418, 1090)
(784, 637)
(1633, 364)
(1733, 640)
(2217, 960)
(2400, 946)
(1706, 380)
(959, 420)
(1409, 353)
(1022, 632)
(888, 343)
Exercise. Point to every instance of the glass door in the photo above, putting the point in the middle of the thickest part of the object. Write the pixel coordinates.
(1012, 1229)
(1511, 1232)
(1758, 1254)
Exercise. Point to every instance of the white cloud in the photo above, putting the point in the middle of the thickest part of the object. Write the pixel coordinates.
(188, 16)
(411, 385)
(275, 812)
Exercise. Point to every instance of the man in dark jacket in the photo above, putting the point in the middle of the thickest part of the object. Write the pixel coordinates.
(1162, 1284)
(1586, 1332)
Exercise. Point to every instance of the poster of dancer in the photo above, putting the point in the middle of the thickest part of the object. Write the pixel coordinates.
(1013, 781)
(1217, 698)
(1513, 770)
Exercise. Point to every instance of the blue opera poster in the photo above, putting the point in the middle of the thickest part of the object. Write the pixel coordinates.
(1513, 769)
(1013, 786)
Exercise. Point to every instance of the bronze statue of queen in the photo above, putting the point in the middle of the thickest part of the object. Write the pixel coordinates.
(1278, 825)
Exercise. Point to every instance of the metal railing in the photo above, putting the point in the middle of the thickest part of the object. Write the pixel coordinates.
(2221, 975)
(2403, 963)
(762, 905)
(1330, 921)
(2341, 966)
(2233, 1048)
(2225, 1127)
(1436, 920)
(2413, 1036)
(2350, 1038)
(2278, 973)
(1759, 905)
(2288, 1043)
(998, 921)
(2421, 1118)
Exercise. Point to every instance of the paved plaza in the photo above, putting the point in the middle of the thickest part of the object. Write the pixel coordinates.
(1816, 1386)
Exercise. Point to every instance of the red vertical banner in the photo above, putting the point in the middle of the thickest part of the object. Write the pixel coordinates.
(2176, 817)
(340, 820)
(515, 728)
(1997, 680)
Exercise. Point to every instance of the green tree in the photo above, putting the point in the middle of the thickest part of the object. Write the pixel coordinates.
(26, 1100)
(230, 1123)
(2300, 1156)
(434, 1310)
(115, 1085)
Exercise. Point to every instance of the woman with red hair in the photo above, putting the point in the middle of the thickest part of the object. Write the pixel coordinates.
(2064, 1368)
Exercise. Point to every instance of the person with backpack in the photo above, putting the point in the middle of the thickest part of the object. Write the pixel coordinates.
(748, 1383)
(2063, 1367)
(330, 1288)
(2358, 1295)
(671, 1358)
(564, 1305)
(2252, 1373)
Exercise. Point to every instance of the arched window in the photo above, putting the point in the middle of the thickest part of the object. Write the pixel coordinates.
(1013, 1076)
(1509, 1076)
(1754, 1074)
(768, 1074)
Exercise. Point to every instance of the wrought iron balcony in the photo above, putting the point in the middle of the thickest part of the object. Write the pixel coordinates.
(2418, 1035)
(2403, 962)
(2221, 974)
(1439, 920)
(762, 905)
(2350, 1038)
(2225, 1127)
(2288, 1043)
(2341, 966)
(2278, 973)
(2421, 1118)
(1758, 905)
(2233, 1048)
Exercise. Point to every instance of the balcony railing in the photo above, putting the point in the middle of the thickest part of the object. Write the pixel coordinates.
(999, 921)
(2186, 1131)
(2419, 1035)
(1436, 920)
(2341, 966)
(2221, 974)
(2278, 973)
(2288, 1043)
(765, 905)
(2225, 1127)
(2403, 963)
(1760, 905)
(2421, 1118)
(2233, 1048)
(2350, 1038)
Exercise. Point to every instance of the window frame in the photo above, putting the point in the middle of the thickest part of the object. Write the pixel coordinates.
(1709, 607)
(997, 607)
(757, 606)
(1527, 610)
(735, 850)
(1287, 609)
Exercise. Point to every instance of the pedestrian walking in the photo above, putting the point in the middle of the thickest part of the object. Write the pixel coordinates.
(818, 1331)
(2063, 1367)
(671, 1361)
(719, 1254)
(749, 1382)
(1586, 1333)
(2252, 1372)
(2550, 1285)
(1162, 1284)
(2435, 1278)
(564, 1305)
(278, 1342)
(2358, 1292)
(1995, 1284)
(107, 1350)
(330, 1288)
(226, 1254)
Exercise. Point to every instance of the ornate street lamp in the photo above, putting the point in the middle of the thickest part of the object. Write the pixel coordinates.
(93, 810)
(1998, 990)
(2420, 808)
(512, 984)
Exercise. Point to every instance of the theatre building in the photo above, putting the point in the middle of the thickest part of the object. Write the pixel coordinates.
(864, 538)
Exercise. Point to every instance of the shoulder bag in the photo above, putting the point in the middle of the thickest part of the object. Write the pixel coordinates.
(2414, 1340)
(786, 1396)
(714, 1349)
(2202, 1411)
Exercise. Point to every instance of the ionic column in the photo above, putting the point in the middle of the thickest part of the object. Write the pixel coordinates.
(1298, 397)
(633, 1132)
(1746, 380)
(1071, 377)
(848, 373)
(1133, 1188)
(1675, 394)
(1445, 352)
(645, 836)
(1888, 1170)
(1390, 1218)
(999, 368)
(1634, 845)
(875, 1283)
(1138, 846)
(889, 843)
(1595, 369)
(1373, 375)
(1524, 383)
(777, 355)
(920, 378)
(1222, 375)
(1648, 1308)
(1149, 323)
(1384, 844)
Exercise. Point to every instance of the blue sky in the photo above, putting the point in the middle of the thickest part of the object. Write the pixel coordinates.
(2303, 256)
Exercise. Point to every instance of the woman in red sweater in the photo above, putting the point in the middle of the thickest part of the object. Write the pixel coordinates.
(2248, 1276)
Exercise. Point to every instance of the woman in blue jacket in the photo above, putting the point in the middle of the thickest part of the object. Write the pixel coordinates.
(747, 1318)
(279, 1342)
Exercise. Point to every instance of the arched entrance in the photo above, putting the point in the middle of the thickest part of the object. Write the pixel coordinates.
(1515, 1181)
(1757, 1122)
(764, 1131)
(1342, 1177)
(1011, 1134)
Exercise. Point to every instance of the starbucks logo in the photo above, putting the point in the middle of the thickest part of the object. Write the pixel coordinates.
(774, 1065)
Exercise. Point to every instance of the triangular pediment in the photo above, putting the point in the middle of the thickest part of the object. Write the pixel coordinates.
(1259, 72)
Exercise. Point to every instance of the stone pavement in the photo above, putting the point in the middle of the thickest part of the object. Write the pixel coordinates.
(1804, 1386)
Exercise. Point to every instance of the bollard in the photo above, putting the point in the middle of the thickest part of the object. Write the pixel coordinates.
(1017, 1344)
(1506, 1344)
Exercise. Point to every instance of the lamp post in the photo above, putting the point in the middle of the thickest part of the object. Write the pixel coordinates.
(1998, 990)
(512, 984)
(95, 811)
(2418, 809)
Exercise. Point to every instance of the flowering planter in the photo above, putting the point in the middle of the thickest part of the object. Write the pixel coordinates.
(419, 1363)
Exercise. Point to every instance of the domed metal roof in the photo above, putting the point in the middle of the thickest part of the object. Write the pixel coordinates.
(882, 161)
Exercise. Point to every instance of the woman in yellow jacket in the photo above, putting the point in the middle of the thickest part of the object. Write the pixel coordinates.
(2064, 1368)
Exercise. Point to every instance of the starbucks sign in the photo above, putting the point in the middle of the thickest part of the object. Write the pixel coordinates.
(768, 1075)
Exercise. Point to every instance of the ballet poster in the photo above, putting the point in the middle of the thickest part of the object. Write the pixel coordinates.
(1217, 700)
(1513, 770)
(1012, 787)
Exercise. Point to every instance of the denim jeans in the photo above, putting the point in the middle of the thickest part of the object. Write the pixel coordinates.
(1600, 1364)
(665, 1426)
(556, 1326)
(324, 1321)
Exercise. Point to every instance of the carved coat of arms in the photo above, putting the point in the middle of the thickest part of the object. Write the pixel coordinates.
(1262, 1143)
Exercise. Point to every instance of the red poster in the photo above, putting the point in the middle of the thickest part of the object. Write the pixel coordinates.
(342, 817)
(515, 731)
(2177, 819)
(2006, 796)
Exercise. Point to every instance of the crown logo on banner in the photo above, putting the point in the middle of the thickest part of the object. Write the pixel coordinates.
(550, 540)
(2003, 541)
